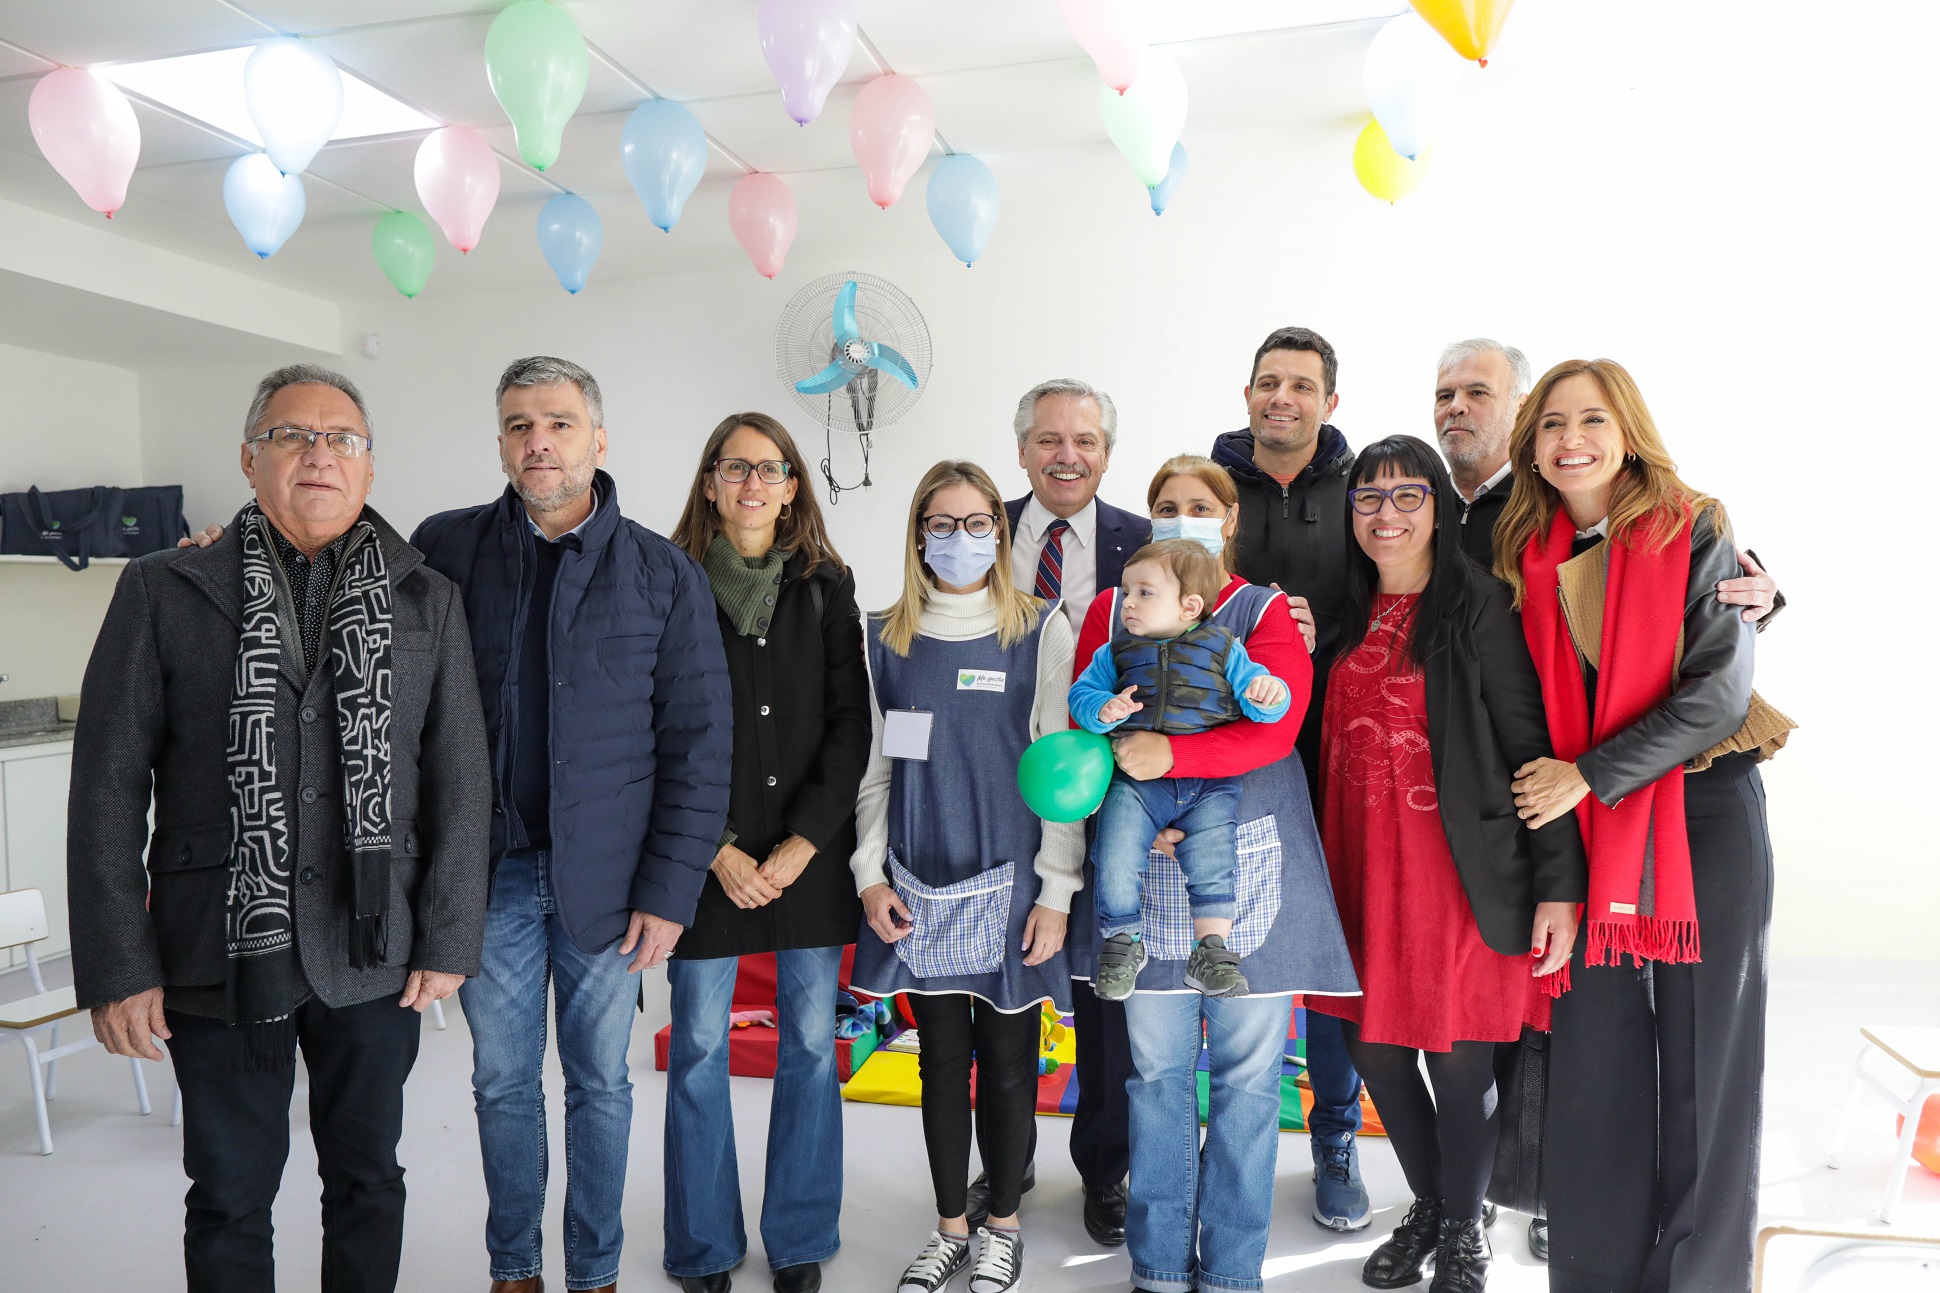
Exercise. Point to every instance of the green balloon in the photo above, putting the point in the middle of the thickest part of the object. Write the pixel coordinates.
(1064, 776)
(404, 250)
(536, 61)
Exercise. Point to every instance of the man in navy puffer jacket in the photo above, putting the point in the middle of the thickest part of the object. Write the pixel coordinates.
(610, 723)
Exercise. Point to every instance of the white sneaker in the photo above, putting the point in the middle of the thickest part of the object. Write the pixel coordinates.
(1000, 1260)
(942, 1257)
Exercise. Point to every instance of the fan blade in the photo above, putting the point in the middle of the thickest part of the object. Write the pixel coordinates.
(884, 359)
(832, 378)
(845, 329)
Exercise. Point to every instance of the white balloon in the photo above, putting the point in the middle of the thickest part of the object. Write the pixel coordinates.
(264, 204)
(296, 97)
(1147, 119)
(1410, 77)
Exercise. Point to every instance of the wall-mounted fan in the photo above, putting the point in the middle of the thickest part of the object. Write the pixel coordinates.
(855, 353)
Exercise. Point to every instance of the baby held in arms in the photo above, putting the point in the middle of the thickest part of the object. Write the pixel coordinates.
(1168, 669)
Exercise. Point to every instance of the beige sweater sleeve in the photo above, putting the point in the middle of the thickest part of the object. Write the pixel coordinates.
(870, 861)
(1061, 854)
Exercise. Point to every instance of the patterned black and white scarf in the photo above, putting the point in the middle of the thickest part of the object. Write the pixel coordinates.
(357, 637)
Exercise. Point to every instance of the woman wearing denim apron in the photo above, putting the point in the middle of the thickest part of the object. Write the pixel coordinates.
(780, 882)
(1200, 1220)
(964, 890)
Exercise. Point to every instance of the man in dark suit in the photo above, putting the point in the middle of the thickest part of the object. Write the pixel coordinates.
(297, 702)
(1068, 545)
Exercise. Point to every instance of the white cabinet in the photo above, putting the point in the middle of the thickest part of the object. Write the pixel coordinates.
(33, 835)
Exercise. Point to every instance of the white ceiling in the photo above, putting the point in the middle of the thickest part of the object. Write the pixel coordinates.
(1005, 77)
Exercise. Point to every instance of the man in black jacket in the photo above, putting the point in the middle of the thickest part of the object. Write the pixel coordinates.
(296, 703)
(1291, 469)
(608, 710)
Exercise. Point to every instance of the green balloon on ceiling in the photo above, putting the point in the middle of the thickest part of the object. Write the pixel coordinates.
(536, 61)
(1063, 777)
(405, 251)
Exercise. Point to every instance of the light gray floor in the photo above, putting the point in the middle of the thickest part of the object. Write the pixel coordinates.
(104, 1211)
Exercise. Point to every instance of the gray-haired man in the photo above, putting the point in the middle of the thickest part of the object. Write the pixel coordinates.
(296, 700)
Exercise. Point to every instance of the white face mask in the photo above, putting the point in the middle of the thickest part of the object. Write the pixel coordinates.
(960, 559)
(1207, 531)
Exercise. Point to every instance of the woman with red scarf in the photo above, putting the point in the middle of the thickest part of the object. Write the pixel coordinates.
(1650, 1163)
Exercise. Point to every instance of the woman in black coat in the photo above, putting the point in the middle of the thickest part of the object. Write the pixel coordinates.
(1453, 909)
(780, 881)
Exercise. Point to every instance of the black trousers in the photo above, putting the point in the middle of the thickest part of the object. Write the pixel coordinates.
(1101, 1124)
(1650, 1163)
(236, 1137)
(955, 1027)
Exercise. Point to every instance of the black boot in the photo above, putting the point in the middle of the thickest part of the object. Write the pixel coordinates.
(1398, 1262)
(1462, 1258)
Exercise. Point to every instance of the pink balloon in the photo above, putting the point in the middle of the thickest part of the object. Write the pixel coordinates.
(1105, 29)
(85, 127)
(457, 175)
(761, 211)
(891, 128)
(808, 45)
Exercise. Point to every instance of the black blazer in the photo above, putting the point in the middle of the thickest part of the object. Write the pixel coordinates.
(801, 741)
(1485, 720)
(1120, 534)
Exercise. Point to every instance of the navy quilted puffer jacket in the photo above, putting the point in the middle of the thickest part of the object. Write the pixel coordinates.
(642, 715)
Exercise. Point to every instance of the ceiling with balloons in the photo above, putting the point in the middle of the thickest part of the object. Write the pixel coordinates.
(413, 129)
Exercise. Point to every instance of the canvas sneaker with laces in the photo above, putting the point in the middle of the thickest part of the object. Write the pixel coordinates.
(942, 1257)
(1120, 958)
(1000, 1261)
(1214, 969)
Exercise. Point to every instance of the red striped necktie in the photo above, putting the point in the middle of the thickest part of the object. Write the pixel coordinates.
(1050, 562)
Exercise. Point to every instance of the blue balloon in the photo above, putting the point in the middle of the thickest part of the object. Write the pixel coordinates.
(570, 235)
(664, 151)
(963, 202)
(264, 204)
(1162, 192)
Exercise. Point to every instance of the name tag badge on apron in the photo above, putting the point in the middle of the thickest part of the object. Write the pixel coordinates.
(980, 680)
(906, 734)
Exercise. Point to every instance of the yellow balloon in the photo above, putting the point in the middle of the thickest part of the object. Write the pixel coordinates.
(1471, 26)
(1382, 171)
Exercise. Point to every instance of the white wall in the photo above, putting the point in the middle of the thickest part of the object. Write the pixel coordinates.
(1706, 208)
(69, 424)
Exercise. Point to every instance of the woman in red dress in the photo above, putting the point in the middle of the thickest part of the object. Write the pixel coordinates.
(1453, 910)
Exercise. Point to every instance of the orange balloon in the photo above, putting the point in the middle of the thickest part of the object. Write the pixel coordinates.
(1470, 26)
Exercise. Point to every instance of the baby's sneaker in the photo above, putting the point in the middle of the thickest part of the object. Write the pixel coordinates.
(1213, 969)
(1119, 960)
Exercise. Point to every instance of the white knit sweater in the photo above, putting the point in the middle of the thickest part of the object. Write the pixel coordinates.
(960, 617)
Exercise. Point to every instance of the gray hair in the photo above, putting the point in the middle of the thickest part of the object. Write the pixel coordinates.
(1520, 381)
(1027, 407)
(301, 375)
(544, 370)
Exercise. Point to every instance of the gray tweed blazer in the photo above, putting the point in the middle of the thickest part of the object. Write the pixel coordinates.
(154, 725)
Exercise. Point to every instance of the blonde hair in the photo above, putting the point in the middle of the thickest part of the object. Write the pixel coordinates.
(1217, 479)
(1017, 611)
(1187, 561)
(1649, 503)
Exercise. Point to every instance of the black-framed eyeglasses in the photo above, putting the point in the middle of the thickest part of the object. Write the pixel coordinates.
(1367, 499)
(977, 525)
(735, 470)
(299, 440)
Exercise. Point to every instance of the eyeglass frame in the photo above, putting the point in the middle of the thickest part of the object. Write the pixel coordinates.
(754, 469)
(956, 523)
(292, 432)
(1388, 496)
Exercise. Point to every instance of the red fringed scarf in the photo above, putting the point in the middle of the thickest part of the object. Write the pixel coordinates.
(1641, 900)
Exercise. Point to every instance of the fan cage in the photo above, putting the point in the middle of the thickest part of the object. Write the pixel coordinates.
(806, 345)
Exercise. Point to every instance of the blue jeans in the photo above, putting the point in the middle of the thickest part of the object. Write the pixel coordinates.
(1330, 1072)
(1221, 1197)
(801, 1201)
(593, 996)
(1134, 812)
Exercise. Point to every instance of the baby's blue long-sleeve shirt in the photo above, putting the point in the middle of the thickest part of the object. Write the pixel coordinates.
(1099, 683)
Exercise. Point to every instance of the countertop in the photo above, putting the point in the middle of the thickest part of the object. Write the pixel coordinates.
(41, 736)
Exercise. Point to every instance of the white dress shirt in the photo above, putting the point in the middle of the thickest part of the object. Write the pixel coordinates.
(1080, 550)
(1501, 475)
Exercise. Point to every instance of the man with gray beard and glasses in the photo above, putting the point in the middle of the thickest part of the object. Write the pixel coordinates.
(608, 714)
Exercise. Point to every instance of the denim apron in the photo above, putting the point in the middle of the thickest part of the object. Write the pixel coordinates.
(1285, 930)
(962, 843)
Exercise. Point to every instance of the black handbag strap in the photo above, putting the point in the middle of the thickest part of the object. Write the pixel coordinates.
(38, 513)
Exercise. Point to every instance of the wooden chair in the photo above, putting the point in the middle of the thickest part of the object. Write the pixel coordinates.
(1916, 1051)
(1849, 1259)
(23, 922)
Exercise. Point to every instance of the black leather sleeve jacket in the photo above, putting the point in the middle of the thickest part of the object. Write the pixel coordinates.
(1713, 691)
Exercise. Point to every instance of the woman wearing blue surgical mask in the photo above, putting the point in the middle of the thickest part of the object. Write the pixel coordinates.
(964, 890)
